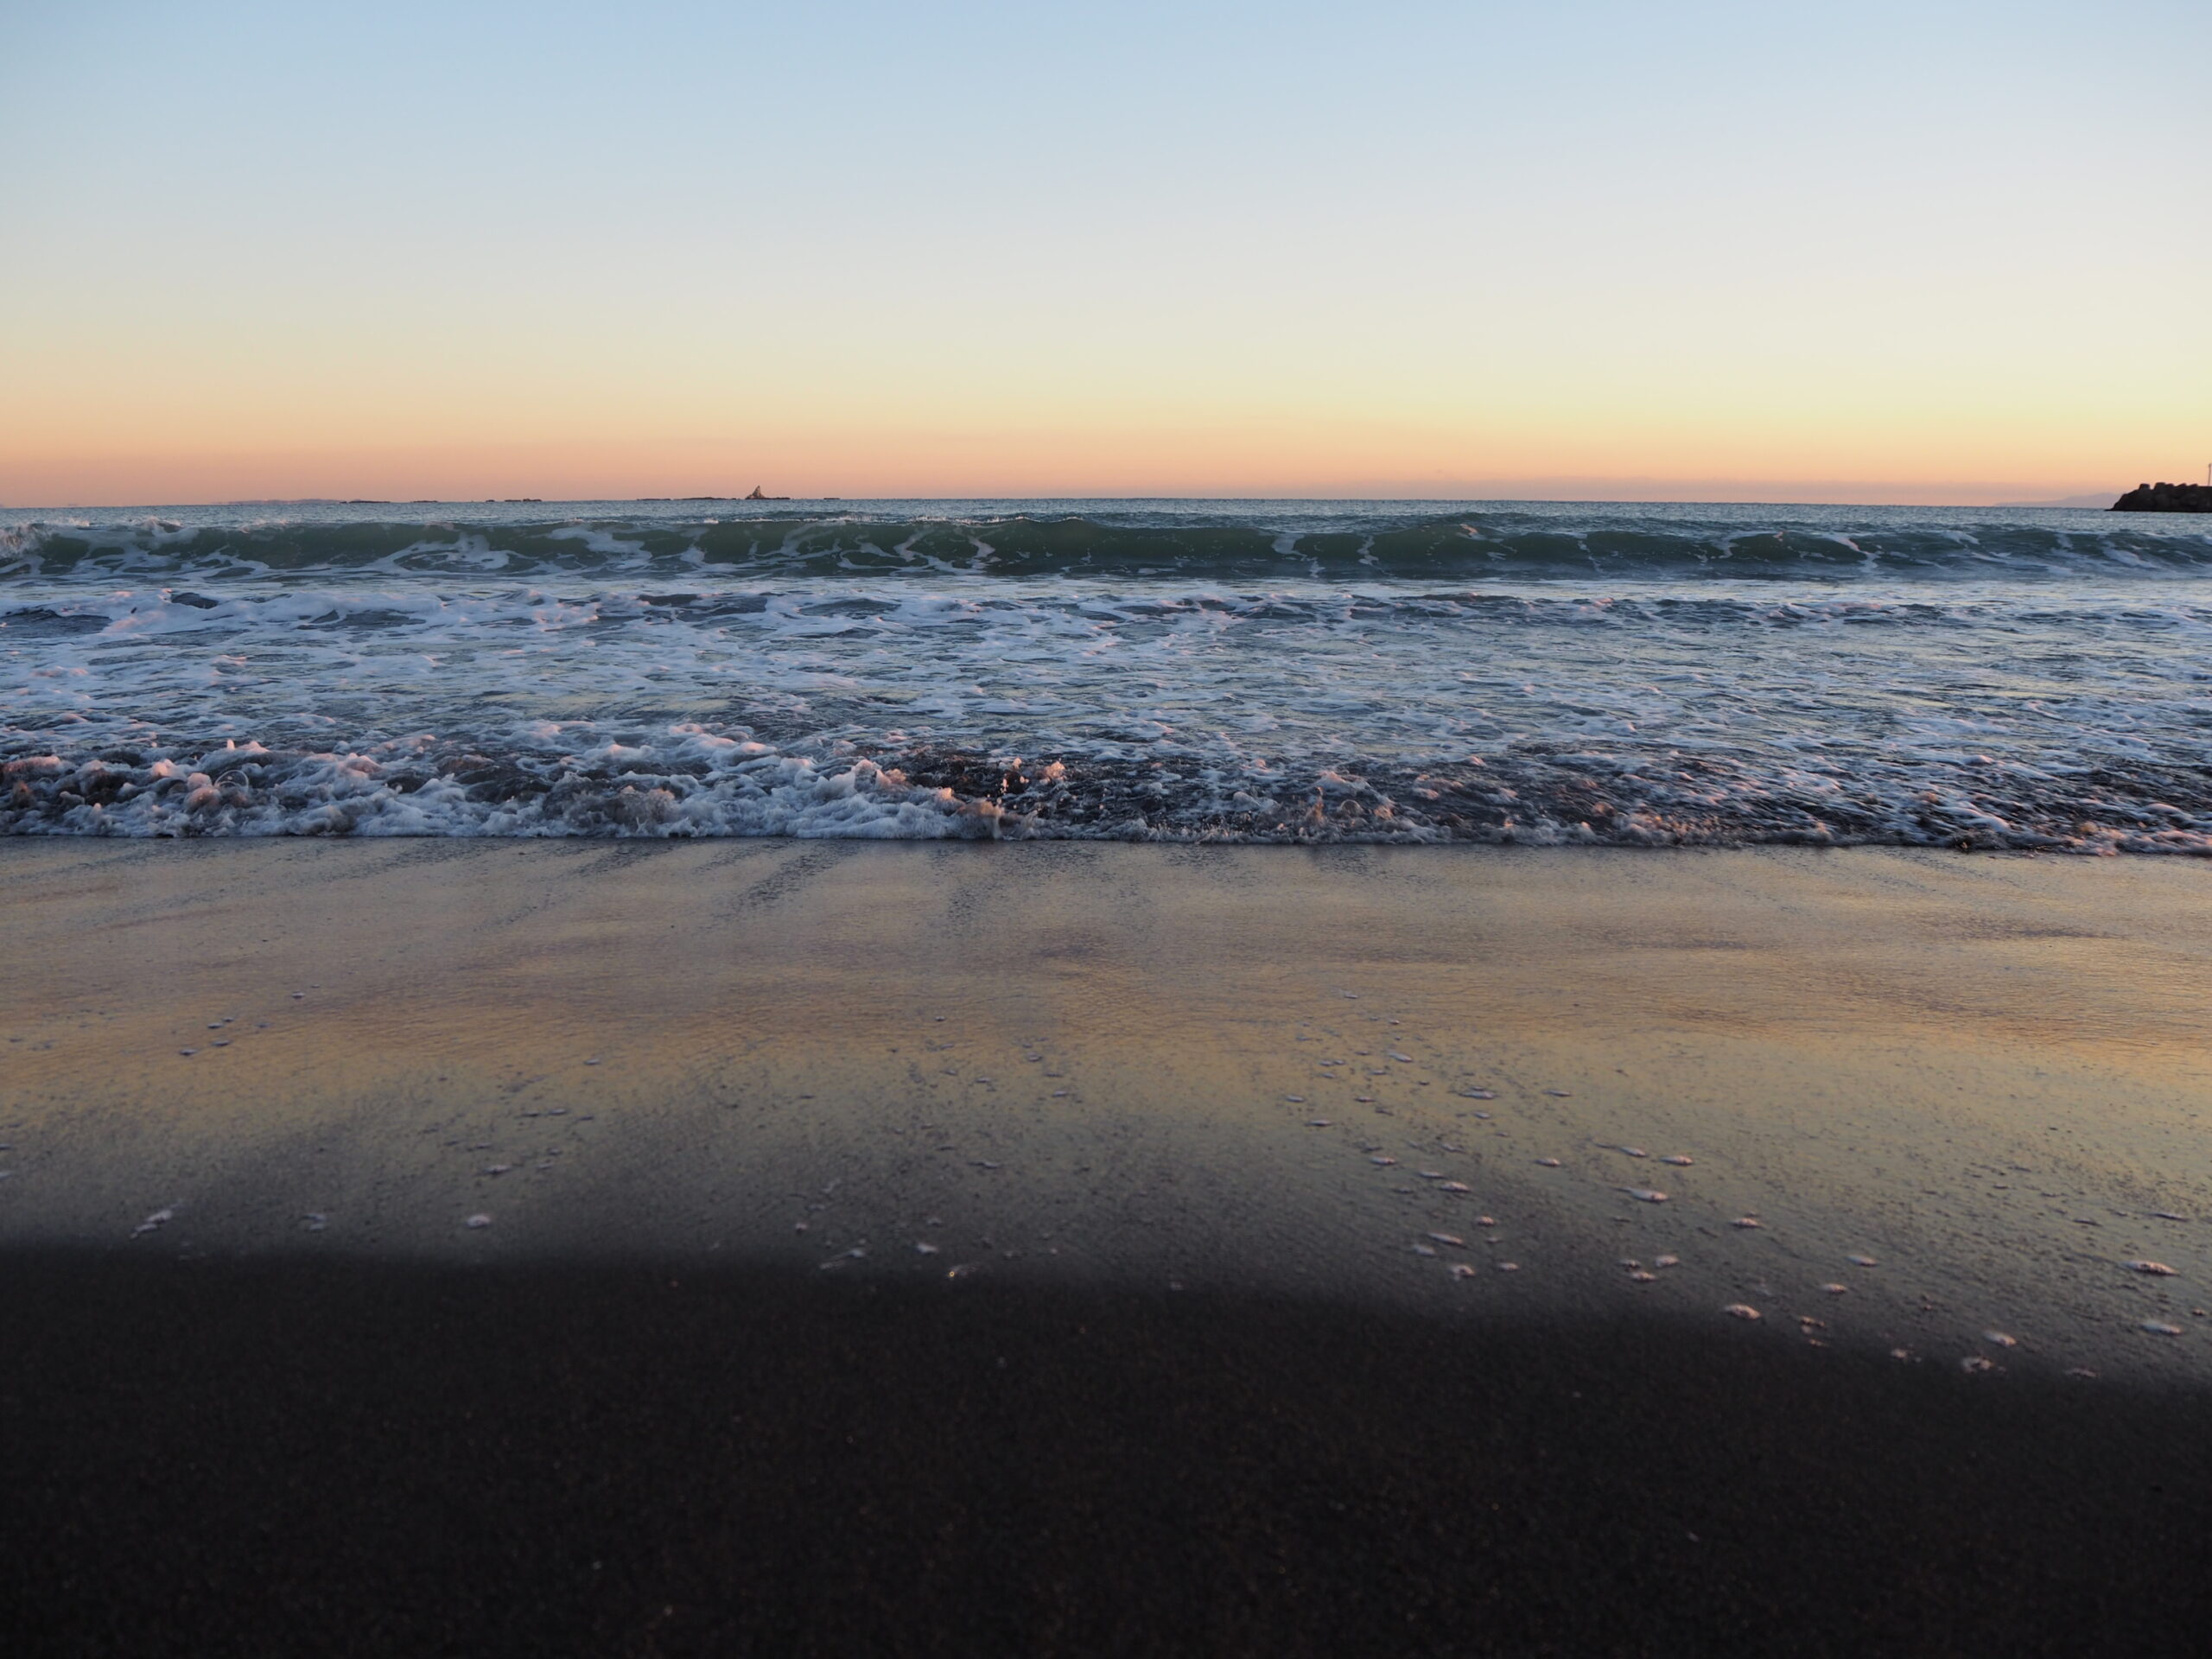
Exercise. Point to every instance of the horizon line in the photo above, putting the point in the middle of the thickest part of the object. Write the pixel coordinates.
(2073, 499)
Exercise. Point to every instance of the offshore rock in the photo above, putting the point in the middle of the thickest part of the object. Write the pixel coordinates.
(2166, 498)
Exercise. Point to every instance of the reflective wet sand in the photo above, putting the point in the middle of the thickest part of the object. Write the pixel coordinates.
(1987, 1076)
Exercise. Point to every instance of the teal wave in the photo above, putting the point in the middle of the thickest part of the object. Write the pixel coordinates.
(1471, 548)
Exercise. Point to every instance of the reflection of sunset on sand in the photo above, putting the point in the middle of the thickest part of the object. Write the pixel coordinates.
(1256, 1069)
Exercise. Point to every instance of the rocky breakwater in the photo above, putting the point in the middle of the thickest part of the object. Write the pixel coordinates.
(2166, 498)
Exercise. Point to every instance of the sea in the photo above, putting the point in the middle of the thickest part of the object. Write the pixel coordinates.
(1181, 670)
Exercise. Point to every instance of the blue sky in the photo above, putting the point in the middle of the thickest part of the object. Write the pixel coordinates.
(1941, 248)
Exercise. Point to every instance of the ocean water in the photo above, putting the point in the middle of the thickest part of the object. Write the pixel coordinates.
(1196, 671)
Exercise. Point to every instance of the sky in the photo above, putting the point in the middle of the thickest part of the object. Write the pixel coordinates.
(1582, 250)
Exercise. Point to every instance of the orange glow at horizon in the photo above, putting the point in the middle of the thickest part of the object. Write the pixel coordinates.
(1424, 250)
(1251, 458)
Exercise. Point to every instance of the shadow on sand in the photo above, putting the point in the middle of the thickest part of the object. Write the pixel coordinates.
(292, 1456)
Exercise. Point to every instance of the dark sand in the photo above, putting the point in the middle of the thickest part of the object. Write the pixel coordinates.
(267, 1457)
(1196, 1388)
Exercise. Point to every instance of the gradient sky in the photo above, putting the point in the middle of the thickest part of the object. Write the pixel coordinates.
(1840, 252)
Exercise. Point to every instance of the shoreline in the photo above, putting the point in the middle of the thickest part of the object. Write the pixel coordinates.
(1232, 1066)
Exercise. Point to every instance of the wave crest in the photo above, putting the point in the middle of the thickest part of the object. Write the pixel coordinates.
(1459, 547)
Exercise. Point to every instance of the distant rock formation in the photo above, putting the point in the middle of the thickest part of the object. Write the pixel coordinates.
(2166, 498)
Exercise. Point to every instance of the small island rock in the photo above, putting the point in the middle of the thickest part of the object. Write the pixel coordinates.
(2166, 498)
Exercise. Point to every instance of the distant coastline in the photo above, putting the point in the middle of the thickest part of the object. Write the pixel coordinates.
(2166, 498)
(2095, 502)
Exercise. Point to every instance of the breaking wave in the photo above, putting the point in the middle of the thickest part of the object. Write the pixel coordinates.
(1471, 546)
(1284, 672)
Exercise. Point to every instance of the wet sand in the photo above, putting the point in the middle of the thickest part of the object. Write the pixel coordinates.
(796, 1143)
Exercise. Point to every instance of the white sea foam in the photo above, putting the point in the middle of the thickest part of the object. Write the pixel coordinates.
(425, 690)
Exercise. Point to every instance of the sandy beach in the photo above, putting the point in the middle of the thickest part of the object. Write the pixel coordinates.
(838, 832)
(1039, 1247)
